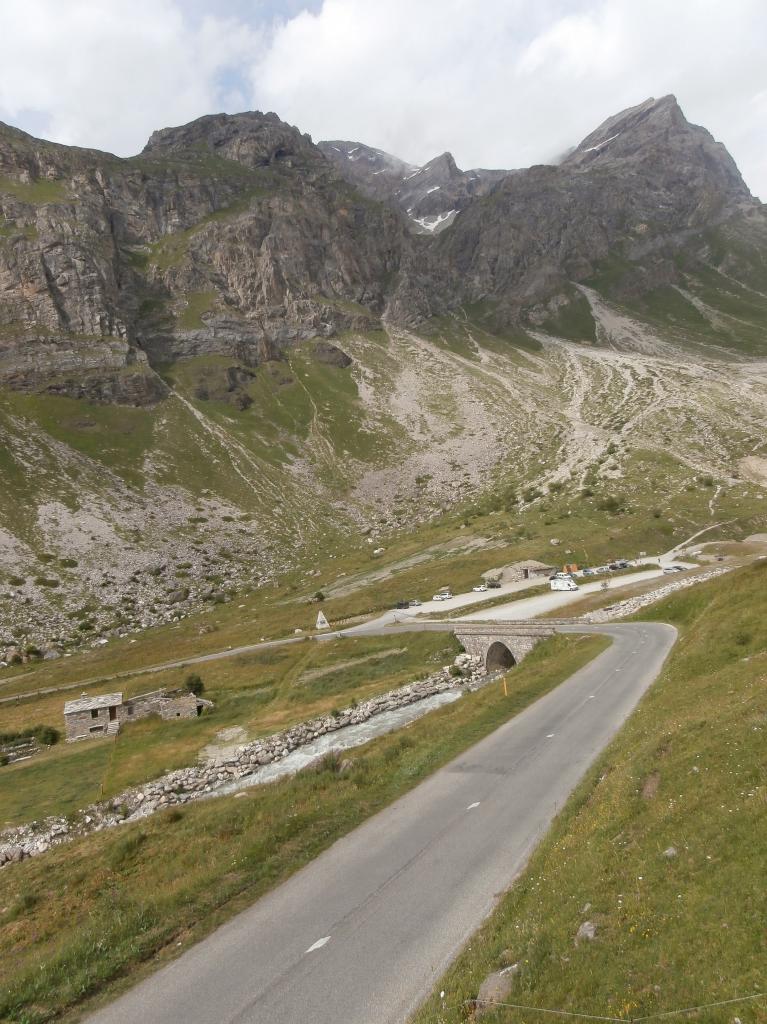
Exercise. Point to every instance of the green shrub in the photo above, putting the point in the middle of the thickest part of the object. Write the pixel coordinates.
(194, 684)
(610, 504)
(47, 735)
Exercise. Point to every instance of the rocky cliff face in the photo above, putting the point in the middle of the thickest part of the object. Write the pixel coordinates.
(236, 235)
(231, 234)
(640, 191)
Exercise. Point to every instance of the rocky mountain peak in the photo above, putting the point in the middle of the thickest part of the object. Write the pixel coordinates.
(252, 138)
(657, 137)
(442, 168)
(430, 196)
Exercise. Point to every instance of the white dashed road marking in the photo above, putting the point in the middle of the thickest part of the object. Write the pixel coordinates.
(318, 944)
(550, 736)
(472, 806)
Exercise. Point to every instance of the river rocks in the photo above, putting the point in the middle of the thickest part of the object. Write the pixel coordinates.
(634, 604)
(202, 780)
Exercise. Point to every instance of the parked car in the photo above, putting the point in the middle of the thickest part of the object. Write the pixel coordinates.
(480, 589)
(589, 572)
(494, 585)
(402, 604)
(673, 568)
(444, 595)
(415, 603)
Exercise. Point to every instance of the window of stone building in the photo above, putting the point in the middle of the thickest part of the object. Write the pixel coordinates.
(94, 713)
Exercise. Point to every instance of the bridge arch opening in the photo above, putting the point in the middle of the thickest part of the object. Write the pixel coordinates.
(499, 657)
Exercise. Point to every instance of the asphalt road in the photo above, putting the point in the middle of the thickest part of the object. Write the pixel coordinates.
(362, 933)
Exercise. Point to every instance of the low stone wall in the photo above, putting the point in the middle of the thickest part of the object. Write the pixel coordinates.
(199, 781)
(633, 604)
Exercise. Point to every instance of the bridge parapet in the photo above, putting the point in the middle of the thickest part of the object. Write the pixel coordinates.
(501, 644)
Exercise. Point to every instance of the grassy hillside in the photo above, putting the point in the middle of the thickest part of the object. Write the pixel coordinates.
(661, 847)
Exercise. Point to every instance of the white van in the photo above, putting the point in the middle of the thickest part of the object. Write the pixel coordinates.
(562, 581)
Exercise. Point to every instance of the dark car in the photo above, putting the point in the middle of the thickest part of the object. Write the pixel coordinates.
(402, 604)
(493, 584)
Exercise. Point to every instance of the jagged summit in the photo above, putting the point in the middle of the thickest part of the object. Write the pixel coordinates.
(252, 138)
(656, 135)
(236, 234)
(430, 196)
(442, 167)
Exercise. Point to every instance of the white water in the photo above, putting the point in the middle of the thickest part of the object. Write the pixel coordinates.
(342, 739)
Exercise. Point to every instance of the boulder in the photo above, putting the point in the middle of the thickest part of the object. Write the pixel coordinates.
(495, 989)
(586, 933)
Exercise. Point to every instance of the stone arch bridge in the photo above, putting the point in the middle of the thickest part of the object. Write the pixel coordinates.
(501, 645)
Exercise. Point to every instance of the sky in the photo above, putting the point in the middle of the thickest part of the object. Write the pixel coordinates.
(499, 83)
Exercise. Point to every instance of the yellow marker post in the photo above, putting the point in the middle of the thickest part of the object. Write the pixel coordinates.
(505, 691)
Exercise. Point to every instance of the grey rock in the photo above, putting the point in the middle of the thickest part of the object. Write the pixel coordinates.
(495, 989)
(586, 933)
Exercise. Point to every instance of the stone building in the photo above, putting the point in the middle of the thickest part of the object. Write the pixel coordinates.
(525, 570)
(91, 717)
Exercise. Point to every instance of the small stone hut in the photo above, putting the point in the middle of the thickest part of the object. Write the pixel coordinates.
(91, 717)
(525, 570)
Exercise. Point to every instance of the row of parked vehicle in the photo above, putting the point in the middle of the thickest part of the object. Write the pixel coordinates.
(446, 594)
(622, 563)
(559, 581)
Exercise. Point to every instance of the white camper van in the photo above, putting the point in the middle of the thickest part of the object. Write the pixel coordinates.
(562, 581)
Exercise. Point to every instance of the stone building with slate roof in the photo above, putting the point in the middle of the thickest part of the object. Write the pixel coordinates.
(93, 717)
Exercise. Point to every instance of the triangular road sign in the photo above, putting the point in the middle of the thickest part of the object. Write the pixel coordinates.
(322, 622)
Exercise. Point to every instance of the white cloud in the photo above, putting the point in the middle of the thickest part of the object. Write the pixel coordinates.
(502, 83)
(507, 83)
(106, 74)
